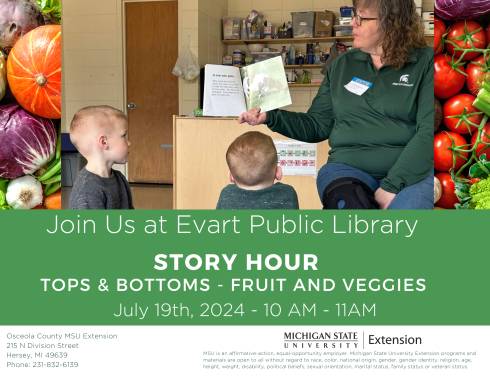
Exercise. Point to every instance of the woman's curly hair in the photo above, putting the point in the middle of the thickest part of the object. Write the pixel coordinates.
(401, 28)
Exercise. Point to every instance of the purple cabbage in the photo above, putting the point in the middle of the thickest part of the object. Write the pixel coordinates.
(461, 9)
(27, 142)
(17, 17)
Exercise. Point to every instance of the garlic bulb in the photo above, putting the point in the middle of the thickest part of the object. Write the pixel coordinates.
(437, 189)
(24, 193)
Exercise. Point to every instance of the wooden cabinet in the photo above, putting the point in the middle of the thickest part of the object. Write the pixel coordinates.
(200, 170)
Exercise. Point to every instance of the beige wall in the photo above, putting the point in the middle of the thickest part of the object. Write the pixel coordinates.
(92, 55)
(280, 10)
(202, 21)
(210, 14)
(188, 36)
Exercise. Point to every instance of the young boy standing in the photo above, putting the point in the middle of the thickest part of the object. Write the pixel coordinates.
(252, 160)
(100, 135)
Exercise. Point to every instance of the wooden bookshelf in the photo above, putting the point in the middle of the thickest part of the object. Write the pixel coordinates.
(286, 41)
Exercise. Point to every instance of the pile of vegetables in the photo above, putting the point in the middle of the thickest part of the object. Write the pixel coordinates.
(30, 104)
(462, 104)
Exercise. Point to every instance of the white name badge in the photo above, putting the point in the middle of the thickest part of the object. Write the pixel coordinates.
(358, 86)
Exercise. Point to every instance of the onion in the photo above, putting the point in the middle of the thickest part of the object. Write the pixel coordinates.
(24, 193)
(437, 189)
(461, 9)
(27, 142)
(17, 17)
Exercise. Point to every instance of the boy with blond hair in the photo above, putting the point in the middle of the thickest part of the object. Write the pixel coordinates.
(252, 160)
(100, 135)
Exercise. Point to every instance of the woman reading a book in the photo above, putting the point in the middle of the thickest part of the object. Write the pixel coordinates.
(375, 106)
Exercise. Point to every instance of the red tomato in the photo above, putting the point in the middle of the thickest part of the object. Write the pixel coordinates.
(477, 72)
(485, 138)
(447, 81)
(443, 153)
(439, 29)
(448, 198)
(466, 34)
(460, 106)
(488, 34)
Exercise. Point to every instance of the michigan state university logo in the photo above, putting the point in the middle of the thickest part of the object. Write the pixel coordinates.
(345, 339)
(404, 81)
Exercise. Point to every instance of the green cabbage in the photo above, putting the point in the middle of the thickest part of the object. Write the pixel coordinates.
(480, 194)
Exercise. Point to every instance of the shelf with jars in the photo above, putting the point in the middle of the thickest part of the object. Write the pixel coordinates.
(287, 40)
(429, 39)
(302, 65)
(307, 61)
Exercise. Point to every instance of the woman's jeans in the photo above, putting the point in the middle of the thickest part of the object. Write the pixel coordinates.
(416, 196)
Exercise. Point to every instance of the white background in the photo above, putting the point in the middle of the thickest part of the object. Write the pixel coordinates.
(177, 351)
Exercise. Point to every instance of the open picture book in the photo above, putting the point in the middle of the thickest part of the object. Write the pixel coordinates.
(230, 91)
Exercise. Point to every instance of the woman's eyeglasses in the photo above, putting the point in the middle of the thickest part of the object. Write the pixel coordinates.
(359, 19)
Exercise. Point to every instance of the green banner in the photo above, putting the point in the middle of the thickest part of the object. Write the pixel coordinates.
(222, 267)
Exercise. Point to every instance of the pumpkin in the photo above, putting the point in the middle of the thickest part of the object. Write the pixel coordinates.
(34, 71)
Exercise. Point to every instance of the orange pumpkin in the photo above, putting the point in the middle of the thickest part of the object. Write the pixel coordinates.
(34, 71)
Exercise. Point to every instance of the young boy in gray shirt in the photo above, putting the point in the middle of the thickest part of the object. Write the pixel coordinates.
(252, 160)
(100, 135)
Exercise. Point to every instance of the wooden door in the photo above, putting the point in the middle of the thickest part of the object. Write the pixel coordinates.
(151, 53)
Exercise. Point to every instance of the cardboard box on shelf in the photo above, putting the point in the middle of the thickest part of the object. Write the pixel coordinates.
(231, 28)
(343, 30)
(303, 24)
(324, 23)
(345, 20)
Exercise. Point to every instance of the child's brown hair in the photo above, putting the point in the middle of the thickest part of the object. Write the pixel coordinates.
(252, 158)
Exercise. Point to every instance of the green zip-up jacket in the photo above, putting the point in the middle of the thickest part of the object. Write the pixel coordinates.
(387, 131)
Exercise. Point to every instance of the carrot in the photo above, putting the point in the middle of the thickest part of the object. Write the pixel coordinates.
(53, 201)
